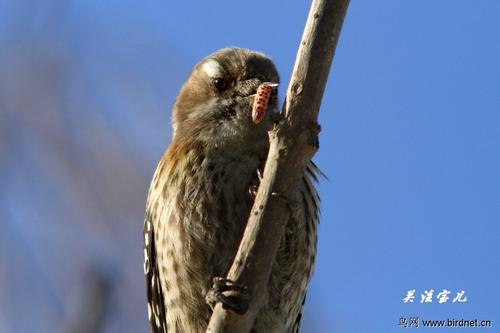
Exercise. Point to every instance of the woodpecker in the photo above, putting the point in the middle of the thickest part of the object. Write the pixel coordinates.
(199, 200)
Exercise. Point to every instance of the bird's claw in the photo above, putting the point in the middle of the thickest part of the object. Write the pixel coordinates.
(253, 191)
(255, 188)
(259, 174)
(232, 296)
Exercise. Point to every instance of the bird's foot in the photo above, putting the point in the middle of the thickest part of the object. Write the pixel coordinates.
(232, 296)
(260, 173)
(255, 187)
(253, 191)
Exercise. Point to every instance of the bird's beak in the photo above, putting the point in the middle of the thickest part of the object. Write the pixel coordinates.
(248, 88)
(273, 85)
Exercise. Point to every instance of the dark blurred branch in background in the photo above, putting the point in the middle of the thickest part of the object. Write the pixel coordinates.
(92, 302)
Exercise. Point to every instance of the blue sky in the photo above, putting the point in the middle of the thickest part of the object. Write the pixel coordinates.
(410, 138)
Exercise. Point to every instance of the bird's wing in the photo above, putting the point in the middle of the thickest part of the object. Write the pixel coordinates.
(156, 307)
(311, 202)
(296, 325)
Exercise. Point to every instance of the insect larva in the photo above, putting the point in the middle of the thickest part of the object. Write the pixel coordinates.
(261, 101)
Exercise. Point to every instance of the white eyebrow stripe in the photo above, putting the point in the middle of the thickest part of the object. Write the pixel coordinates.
(212, 68)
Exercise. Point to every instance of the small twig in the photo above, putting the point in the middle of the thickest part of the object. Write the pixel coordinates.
(293, 142)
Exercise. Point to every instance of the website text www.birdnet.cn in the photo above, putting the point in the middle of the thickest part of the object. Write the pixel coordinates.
(417, 322)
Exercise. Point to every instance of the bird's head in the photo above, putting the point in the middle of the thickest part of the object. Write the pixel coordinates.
(215, 103)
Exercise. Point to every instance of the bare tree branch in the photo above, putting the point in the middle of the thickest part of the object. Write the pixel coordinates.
(293, 142)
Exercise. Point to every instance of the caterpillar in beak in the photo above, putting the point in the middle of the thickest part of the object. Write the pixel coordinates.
(261, 101)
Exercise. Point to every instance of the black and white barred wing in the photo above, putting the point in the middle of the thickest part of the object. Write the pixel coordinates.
(156, 307)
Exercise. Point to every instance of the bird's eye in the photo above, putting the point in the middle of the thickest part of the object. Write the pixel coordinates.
(220, 84)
